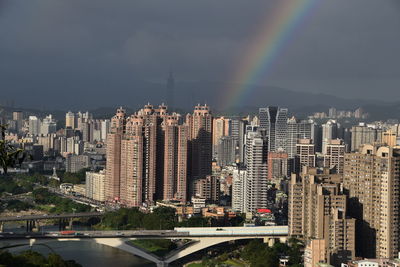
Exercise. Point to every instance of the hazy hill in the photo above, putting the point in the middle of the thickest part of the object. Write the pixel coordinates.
(187, 94)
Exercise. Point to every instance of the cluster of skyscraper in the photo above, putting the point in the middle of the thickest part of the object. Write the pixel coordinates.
(77, 145)
(153, 155)
(80, 130)
(353, 213)
(268, 148)
(344, 188)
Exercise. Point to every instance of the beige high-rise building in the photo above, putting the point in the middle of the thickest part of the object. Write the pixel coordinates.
(95, 186)
(47, 142)
(329, 132)
(146, 123)
(131, 170)
(175, 160)
(315, 252)
(147, 155)
(113, 152)
(17, 116)
(220, 129)
(113, 166)
(256, 180)
(364, 134)
(305, 153)
(334, 155)
(208, 188)
(389, 138)
(372, 180)
(317, 209)
(277, 165)
(200, 139)
(70, 120)
(143, 130)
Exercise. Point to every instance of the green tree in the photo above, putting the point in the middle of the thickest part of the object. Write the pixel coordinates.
(166, 216)
(250, 249)
(135, 218)
(43, 196)
(34, 259)
(55, 260)
(295, 252)
(258, 254)
(10, 156)
(194, 222)
(17, 205)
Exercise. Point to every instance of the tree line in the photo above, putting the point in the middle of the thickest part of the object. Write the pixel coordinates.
(161, 218)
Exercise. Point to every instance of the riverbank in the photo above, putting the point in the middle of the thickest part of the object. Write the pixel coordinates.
(89, 254)
(229, 262)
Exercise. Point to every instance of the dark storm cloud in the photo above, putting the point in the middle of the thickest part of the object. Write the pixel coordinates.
(68, 47)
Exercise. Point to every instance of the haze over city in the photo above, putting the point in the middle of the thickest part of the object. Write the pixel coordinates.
(120, 52)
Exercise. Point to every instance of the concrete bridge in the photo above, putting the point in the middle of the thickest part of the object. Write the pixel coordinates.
(201, 238)
(33, 221)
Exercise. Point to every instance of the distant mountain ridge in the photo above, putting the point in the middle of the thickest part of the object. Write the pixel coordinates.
(187, 94)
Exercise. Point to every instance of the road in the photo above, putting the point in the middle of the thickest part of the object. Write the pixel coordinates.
(260, 231)
(94, 234)
(78, 199)
(50, 216)
(83, 200)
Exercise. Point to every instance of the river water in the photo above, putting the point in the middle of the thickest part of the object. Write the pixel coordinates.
(87, 253)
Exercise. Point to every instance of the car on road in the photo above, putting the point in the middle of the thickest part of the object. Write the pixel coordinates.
(67, 232)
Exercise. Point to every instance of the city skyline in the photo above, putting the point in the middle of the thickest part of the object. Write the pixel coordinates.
(200, 133)
(272, 169)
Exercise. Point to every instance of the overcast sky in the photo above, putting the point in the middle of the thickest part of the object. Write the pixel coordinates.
(345, 47)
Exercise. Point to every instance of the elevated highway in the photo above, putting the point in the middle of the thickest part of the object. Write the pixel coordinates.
(202, 237)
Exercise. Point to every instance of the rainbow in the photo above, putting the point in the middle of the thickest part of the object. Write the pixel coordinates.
(266, 47)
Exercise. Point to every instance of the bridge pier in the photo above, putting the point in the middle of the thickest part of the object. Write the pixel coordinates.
(70, 223)
(162, 264)
(269, 240)
(30, 224)
(62, 224)
(37, 225)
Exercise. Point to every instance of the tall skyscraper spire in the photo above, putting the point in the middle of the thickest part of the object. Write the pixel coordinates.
(170, 91)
